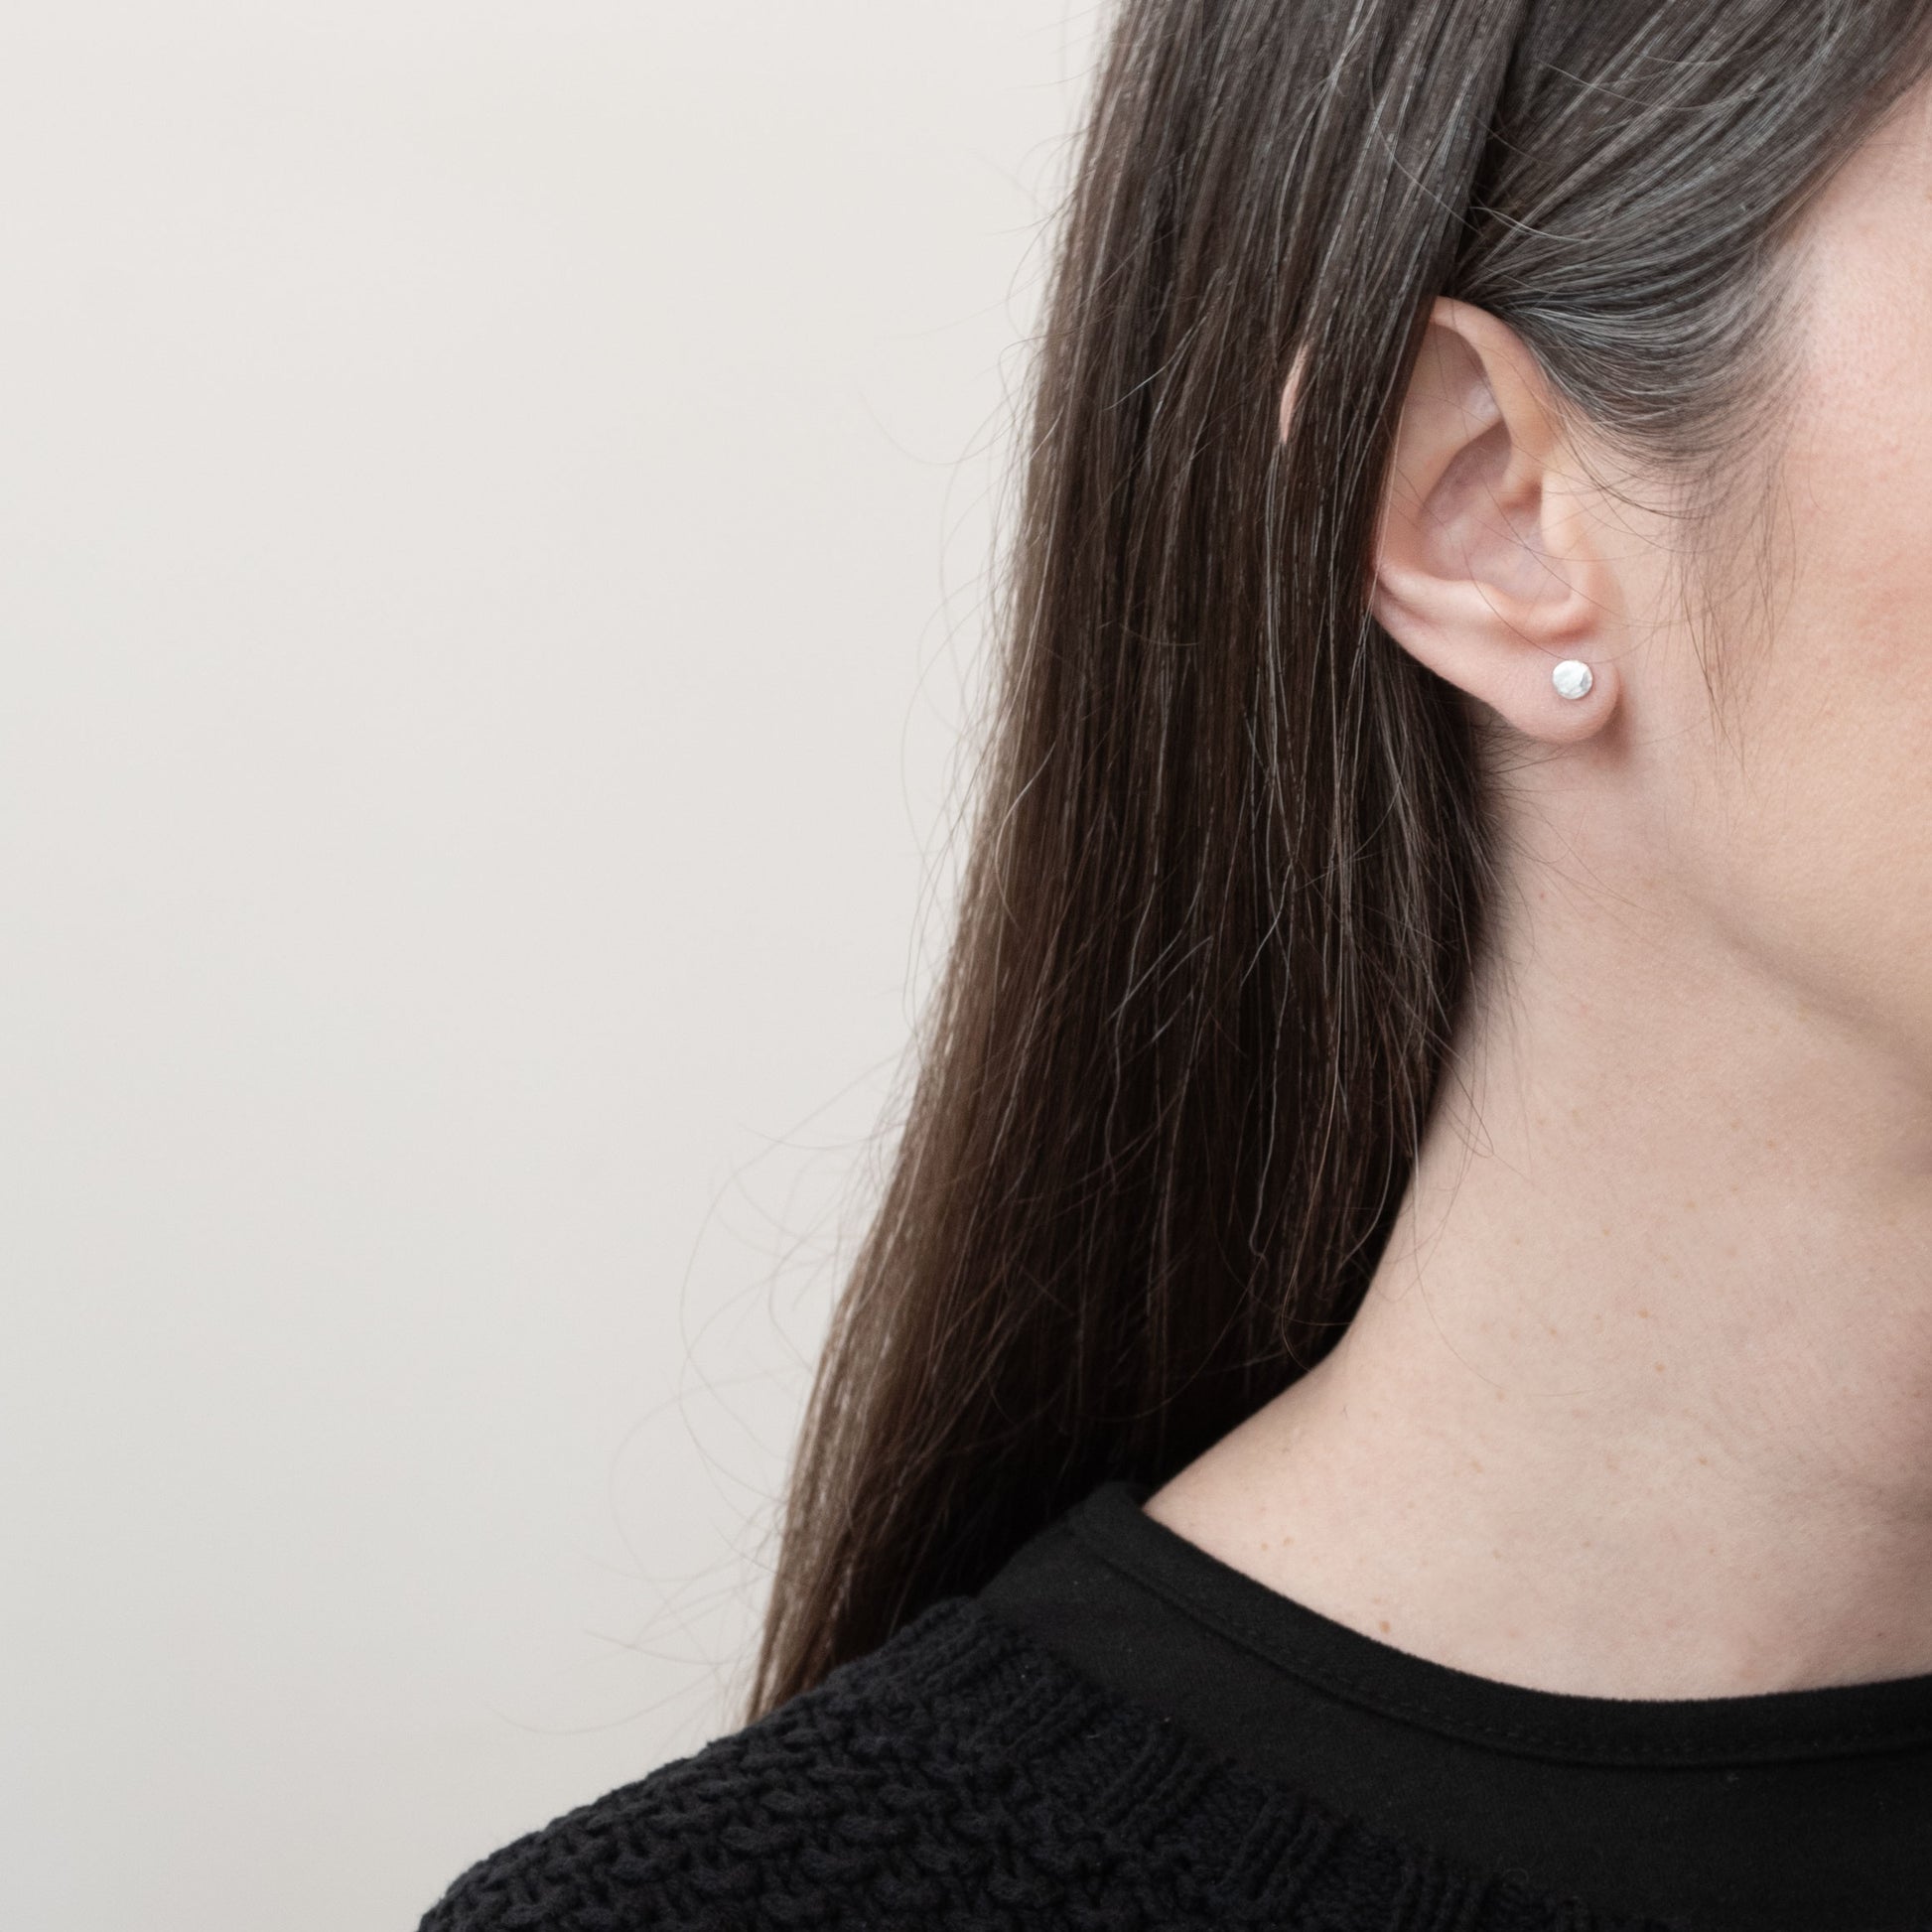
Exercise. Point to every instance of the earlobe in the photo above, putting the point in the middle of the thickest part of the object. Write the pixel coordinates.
(1486, 564)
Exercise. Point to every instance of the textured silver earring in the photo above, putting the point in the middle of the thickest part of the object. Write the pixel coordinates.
(1572, 678)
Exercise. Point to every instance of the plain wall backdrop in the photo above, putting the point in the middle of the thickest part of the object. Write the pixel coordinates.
(493, 521)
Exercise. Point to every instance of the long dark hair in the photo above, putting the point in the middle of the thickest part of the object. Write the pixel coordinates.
(1226, 898)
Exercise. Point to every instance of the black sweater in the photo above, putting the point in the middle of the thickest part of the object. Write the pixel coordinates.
(1120, 1731)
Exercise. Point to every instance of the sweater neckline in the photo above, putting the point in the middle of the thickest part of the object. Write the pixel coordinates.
(1178, 1821)
(1759, 1728)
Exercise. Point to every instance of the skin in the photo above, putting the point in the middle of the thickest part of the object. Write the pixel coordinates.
(1639, 1403)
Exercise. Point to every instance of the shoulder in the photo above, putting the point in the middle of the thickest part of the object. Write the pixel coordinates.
(963, 1776)
(893, 1794)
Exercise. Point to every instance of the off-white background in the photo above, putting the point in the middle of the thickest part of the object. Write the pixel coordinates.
(494, 515)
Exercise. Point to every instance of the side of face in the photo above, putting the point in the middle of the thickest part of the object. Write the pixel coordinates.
(1786, 831)
(1814, 845)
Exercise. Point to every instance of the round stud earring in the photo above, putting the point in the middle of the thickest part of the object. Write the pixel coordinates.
(1572, 678)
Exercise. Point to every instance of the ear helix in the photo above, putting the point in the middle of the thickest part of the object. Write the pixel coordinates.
(1572, 678)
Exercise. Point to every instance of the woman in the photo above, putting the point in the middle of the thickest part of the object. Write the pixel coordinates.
(1392, 1383)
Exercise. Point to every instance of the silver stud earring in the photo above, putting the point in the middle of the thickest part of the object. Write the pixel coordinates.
(1572, 678)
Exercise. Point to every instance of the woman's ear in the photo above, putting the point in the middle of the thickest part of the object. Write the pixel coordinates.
(1486, 560)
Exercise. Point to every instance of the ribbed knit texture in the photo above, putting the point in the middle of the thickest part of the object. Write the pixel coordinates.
(962, 1778)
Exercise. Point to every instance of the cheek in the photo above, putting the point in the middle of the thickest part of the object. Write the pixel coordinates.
(1811, 827)
(1857, 472)
(1826, 858)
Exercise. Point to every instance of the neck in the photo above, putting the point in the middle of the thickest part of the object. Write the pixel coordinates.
(1639, 1402)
